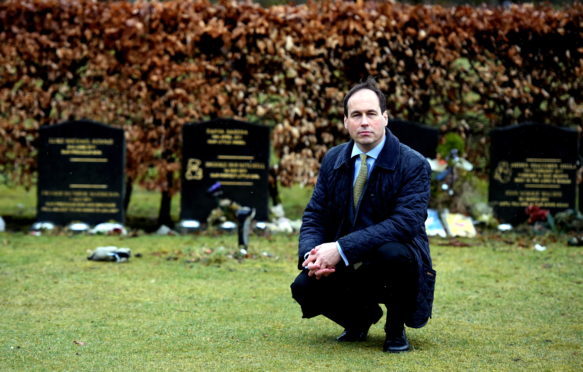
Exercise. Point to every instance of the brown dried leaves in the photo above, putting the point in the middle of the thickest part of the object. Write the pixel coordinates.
(151, 67)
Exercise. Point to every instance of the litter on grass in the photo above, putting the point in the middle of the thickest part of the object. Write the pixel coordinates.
(540, 247)
(110, 254)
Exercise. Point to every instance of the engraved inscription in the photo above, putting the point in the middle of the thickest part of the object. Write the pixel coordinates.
(80, 147)
(224, 157)
(80, 196)
(193, 170)
(226, 136)
(79, 201)
(233, 170)
(538, 182)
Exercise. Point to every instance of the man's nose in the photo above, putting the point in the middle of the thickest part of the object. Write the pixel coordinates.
(365, 120)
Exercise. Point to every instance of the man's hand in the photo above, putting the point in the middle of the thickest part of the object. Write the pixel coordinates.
(322, 260)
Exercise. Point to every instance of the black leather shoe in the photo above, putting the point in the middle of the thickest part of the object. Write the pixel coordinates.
(396, 342)
(353, 335)
(359, 333)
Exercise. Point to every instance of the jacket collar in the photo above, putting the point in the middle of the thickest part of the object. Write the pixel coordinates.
(387, 158)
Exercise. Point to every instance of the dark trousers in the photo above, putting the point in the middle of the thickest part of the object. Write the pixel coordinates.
(351, 296)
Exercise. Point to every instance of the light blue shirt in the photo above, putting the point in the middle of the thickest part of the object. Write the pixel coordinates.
(372, 156)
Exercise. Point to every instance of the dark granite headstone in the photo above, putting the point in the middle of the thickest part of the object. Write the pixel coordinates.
(232, 153)
(81, 173)
(419, 137)
(532, 164)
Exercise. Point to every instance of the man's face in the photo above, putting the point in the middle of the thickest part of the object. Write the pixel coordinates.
(365, 121)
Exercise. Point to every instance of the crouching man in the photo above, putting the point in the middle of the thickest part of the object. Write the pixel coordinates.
(363, 241)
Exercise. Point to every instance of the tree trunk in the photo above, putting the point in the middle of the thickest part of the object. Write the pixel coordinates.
(164, 216)
(128, 194)
(272, 186)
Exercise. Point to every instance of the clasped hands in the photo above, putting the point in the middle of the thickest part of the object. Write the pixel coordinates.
(322, 260)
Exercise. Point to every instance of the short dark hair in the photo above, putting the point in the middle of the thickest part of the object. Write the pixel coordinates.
(370, 84)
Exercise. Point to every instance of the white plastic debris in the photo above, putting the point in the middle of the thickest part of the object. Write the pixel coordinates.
(539, 247)
(504, 227)
(280, 225)
(109, 228)
(2, 224)
(260, 226)
(284, 225)
(228, 226)
(278, 211)
(464, 164)
(296, 224)
(40, 226)
(165, 230)
(78, 227)
(190, 224)
(111, 254)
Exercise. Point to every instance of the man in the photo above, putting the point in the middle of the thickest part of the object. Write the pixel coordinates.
(362, 240)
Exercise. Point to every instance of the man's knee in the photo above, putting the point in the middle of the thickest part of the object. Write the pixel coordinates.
(396, 254)
(305, 291)
(300, 287)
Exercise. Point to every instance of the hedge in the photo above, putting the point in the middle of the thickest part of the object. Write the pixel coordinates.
(150, 67)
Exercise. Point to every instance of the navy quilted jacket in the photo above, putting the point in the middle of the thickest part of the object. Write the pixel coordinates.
(393, 208)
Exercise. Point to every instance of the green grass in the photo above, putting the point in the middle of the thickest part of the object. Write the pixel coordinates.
(498, 307)
(186, 304)
(17, 202)
(20, 204)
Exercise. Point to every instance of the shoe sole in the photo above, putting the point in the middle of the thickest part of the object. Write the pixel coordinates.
(398, 350)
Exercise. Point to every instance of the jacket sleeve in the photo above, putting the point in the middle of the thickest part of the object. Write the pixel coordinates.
(315, 228)
(407, 219)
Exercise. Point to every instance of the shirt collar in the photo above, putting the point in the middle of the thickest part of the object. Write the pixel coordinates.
(374, 153)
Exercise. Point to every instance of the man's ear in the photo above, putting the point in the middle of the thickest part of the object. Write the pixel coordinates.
(345, 120)
(386, 116)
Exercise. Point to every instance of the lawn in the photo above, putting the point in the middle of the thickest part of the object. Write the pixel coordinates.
(18, 206)
(185, 305)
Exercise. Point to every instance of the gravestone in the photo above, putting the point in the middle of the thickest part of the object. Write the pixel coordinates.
(419, 137)
(229, 154)
(532, 164)
(81, 173)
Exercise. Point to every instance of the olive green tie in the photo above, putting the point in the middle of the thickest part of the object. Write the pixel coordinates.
(360, 179)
